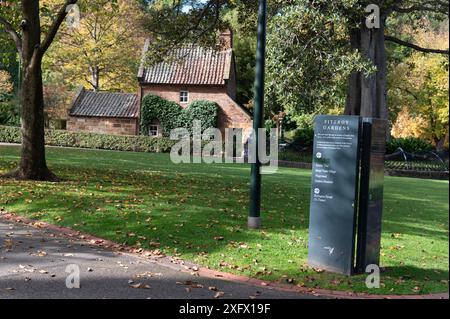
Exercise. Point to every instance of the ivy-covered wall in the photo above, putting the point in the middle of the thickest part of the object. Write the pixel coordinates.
(171, 115)
(155, 108)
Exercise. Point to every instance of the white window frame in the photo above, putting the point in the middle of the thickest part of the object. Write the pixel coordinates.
(184, 96)
(152, 130)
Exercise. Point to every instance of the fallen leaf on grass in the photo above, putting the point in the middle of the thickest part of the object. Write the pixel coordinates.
(335, 282)
(318, 270)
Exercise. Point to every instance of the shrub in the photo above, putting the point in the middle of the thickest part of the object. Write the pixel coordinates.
(301, 137)
(9, 134)
(409, 144)
(155, 108)
(8, 114)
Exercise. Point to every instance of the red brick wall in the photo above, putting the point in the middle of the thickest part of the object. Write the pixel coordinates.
(231, 115)
(104, 125)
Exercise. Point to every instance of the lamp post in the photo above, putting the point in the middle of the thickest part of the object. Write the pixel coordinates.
(254, 218)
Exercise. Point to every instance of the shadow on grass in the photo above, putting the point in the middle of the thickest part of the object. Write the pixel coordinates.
(415, 273)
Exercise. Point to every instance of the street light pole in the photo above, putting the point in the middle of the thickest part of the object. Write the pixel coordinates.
(254, 218)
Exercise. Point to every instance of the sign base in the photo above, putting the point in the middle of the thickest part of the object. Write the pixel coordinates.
(254, 222)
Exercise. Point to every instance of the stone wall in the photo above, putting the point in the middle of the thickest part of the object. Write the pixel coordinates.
(104, 125)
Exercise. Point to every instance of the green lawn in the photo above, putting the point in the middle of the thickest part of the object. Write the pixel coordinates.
(199, 212)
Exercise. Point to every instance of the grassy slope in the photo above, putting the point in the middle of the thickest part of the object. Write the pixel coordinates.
(140, 198)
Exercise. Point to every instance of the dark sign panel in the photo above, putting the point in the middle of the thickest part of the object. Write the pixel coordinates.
(371, 197)
(334, 193)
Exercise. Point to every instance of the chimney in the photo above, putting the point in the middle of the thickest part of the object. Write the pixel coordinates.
(226, 39)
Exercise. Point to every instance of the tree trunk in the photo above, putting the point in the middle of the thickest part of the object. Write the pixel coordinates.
(32, 163)
(381, 76)
(95, 75)
(369, 82)
(440, 145)
(367, 94)
(353, 101)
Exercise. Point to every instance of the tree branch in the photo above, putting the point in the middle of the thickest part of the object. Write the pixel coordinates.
(14, 35)
(415, 47)
(62, 13)
(416, 8)
(430, 6)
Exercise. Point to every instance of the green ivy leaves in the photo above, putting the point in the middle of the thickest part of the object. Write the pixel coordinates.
(171, 115)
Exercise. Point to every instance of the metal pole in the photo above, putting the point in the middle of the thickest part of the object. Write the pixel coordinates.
(254, 218)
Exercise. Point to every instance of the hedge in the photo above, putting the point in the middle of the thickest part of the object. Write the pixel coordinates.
(408, 144)
(10, 134)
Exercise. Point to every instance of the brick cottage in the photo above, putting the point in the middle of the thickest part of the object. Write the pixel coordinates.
(202, 74)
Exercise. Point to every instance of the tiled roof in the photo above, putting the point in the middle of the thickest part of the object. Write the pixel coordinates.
(105, 104)
(193, 65)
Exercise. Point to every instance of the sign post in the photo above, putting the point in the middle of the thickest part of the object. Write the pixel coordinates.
(254, 216)
(334, 193)
(347, 193)
(371, 193)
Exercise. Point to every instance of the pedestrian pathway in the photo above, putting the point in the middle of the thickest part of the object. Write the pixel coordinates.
(33, 264)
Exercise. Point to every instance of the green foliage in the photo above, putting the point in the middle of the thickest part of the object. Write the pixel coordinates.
(244, 47)
(308, 56)
(171, 115)
(301, 137)
(10, 134)
(155, 108)
(201, 110)
(9, 114)
(408, 144)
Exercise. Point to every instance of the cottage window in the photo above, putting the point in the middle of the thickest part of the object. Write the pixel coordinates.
(184, 96)
(153, 130)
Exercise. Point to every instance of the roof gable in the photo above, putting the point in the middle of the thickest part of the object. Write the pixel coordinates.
(190, 66)
(105, 104)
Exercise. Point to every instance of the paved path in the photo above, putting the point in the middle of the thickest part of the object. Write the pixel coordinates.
(33, 262)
